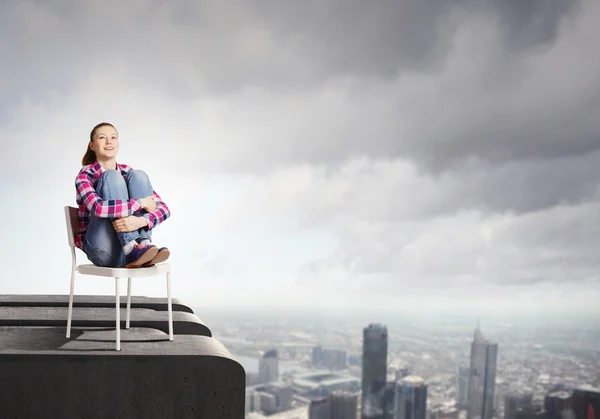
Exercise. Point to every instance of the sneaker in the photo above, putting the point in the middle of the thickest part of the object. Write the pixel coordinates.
(162, 255)
(140, 255)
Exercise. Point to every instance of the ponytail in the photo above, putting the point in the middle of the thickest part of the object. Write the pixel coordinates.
(89, 157)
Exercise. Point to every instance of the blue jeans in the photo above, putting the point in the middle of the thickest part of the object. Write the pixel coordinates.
(102, 244)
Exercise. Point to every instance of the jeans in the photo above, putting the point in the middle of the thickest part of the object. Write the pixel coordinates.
(102, 244)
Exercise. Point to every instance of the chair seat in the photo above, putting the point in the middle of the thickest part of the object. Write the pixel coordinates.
(90, 269)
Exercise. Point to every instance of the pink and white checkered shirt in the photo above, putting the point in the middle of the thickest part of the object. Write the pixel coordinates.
(90, 202)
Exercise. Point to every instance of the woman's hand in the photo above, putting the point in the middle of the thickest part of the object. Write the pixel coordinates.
(127, 224)
(148, 203)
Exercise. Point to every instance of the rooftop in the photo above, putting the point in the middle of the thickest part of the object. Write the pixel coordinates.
(588, 388)
(272, 353)
(413, 380)
(561, 394)
(323, 378)
(84, 376)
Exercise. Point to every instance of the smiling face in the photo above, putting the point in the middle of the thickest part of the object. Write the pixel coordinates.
(105, 142)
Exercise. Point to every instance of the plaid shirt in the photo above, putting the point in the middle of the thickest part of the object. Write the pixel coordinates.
(90, 202)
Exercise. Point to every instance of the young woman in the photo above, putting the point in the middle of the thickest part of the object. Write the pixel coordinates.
(118, 208)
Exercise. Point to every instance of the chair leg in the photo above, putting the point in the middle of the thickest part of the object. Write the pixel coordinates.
(170, 308)
(118, 305)
(128, 302)
(70, 312)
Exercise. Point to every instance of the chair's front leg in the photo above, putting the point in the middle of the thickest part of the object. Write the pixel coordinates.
(169, 306)
(118, 315)
(128, 302)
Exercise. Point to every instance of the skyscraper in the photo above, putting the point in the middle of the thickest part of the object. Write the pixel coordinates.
(462, 386)
(329, 358)
(338, 405)
(344, 405)
(482, 377)
(389, 397)
(319, 409)
(268, 367)
(411, 398)
(374, 372)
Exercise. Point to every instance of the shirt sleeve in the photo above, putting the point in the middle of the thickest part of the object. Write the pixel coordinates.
(160, 214)
(96, 206)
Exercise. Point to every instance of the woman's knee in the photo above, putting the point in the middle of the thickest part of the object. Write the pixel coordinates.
(112, 176)
(112, 185)
(139, 184)
(138, 175)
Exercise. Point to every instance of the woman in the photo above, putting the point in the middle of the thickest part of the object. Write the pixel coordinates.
(118, 208)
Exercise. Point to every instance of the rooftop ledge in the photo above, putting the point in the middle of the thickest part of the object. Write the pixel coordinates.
(47, 375)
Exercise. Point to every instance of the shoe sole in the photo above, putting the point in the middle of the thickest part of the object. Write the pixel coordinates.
(159, 258)
(145, 258)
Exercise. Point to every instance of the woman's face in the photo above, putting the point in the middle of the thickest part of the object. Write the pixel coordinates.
(105, 143)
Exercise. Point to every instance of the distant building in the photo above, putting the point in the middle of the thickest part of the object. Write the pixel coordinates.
(344, 405)
(389, 400)
(411, 398)
(268, 367)
(269, 399)
(317, 355)
(268, 402)
(374, 371)
(586, 403)
(319, 409)
(444, 412)
(559, 404)
(338, 405)
(283, 397)
(518, 403)
(462, 386)
(333, 359)
(482, 377)
(252, 401)
(318, 384)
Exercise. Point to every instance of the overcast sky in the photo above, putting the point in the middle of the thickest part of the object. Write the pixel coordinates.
(401, 154)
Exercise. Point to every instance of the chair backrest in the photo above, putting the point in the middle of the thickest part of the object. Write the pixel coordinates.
(72, 220)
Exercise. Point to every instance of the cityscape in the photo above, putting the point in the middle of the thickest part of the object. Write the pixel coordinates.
(422, 368)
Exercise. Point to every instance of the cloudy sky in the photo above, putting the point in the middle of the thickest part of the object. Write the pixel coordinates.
(407, 155)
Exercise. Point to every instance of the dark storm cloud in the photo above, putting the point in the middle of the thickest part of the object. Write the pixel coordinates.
(513, 106)
(385, 37)
(314, 40)
(522, 187)
(526, 101)
(532, 23)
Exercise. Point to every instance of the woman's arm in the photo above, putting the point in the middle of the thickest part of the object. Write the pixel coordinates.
(160, 214)
(105, 209)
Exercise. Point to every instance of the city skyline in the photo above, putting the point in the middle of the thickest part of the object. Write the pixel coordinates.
(550, 375)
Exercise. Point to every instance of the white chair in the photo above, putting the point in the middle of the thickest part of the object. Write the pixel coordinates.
(90, 269)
